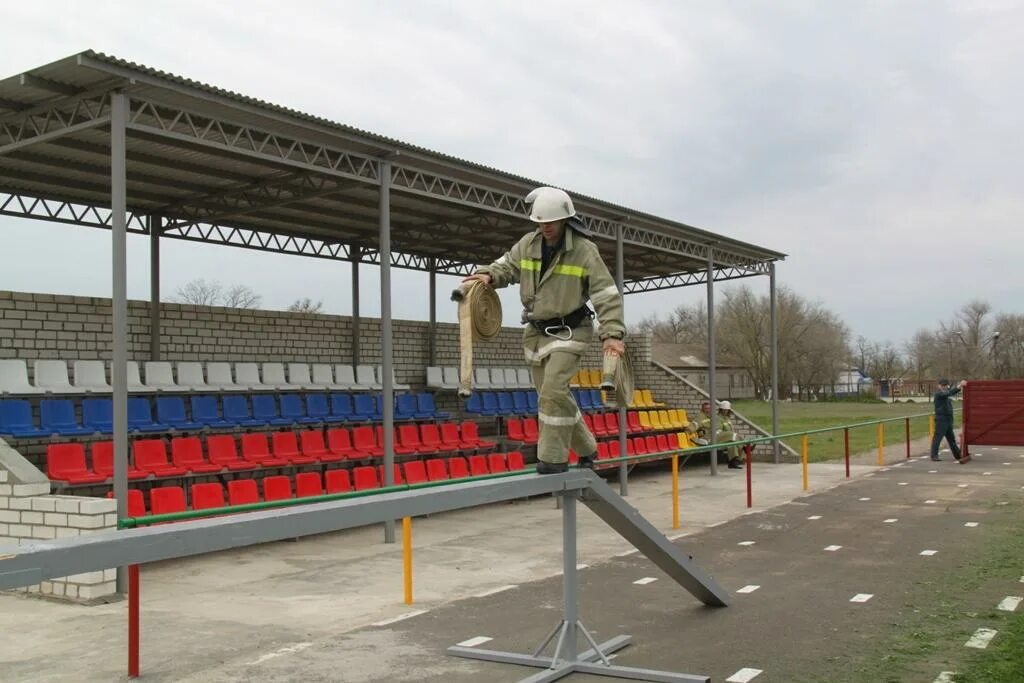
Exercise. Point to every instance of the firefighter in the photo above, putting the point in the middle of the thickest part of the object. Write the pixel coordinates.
(725, 431)
(559, 269)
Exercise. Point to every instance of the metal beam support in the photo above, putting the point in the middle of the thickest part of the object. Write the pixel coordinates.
(774, 334)
(712, 376)
(620, 269)
(387, 362)
(356, 350)
(119, 306)
(432, 328)
(154, 286)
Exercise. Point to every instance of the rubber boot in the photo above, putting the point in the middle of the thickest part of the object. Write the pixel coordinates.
(551, 467)
(586, 462)
(735, 464)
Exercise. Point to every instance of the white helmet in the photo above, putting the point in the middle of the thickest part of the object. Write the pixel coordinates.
(549, 204)
(725, 405)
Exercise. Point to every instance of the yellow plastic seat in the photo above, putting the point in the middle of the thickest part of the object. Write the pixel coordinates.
(585, 380)
(645, 420)
(595, 378)
(666, 420)
(575, 381)
(684, 440)
(674, 421)
(638, 399)
(683, 417)
(655, 419)
(649, 399)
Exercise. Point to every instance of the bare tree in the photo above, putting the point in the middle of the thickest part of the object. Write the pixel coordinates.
(241, 296)
(306, 305)
(199, 292)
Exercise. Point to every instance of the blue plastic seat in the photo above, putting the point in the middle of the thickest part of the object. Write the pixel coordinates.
(532, 401)
(583, 400)
(264, 407)
(489, 403)
(519, 402)
(16, 419)
(364, 406)
(505, 405)
(474, 404)
(98, 415)
(595, 399)
(140, 416)
(294, 410)
(405, 407)
(426, 408)
(170, 410)
(204, 411)
(341, 407)
(236, 411)
(317, 407)
(57, 416)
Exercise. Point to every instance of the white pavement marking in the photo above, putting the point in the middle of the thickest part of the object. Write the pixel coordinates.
(970, 524)
(1010, 603)
(832, 548)
(961, 486)
(870, 474)
(930, 502)
(933, 471)
(400, 617)
(981, 638)
(986, 474)
(634, 551)
(746, 543)
(928, 553)
(494, 591)
(891, 520)
(1022, 579)
(748, 589)
(646, 580)
(1003, 502)
(945, 677)
(902, 483)
(581, 566)
(473, 642)
(1007, 463)
(744, 675)
(672, 538)
(291, 649)
(814, 517)
(862, 597)
(863, 499)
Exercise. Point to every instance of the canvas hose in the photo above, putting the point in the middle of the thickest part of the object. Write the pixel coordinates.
(479, 319)
(617, 378)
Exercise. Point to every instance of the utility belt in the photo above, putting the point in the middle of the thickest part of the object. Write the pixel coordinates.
(562, 327)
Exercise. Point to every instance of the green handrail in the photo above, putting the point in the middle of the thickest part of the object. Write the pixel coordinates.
(135, 522)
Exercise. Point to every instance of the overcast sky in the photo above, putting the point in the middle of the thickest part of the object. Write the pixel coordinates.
(878, 144)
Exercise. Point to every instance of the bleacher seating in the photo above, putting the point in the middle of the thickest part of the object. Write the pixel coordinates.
(52, 377)
(66, 462)
(91, 376)
(187, 453)
(278, 487)
(170, 410)
(190, 377)
(337, 481)
(57, 417)
(219, 377)
(14, 378)
(223, 451)
(167, 499)
(160, 376)
(207, 496)
(273, 376)
(308, 484)
(243, 492)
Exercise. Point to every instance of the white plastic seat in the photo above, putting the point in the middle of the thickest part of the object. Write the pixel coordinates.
(498, 378)
(190, 376)
(451, 377)
(525, 378)
(160, 376)
(91, 376)
(135, 384)
(52, 377)
(345, 377)
(219, 377)
(273, 376)
(14, 378)
(435, 378)
(511, 381)
(247, 376)
(298, 376)
(323, 378)
(482, 378)
(366, 378)
(379, 372)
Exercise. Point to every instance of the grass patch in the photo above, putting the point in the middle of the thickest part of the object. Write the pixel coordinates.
(798, 417)
(1002, 661)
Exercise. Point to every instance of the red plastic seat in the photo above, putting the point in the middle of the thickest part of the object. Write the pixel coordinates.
(223, 451)
(496, 463)
(633, 422)
(103, 461)
(365, 442)
(66, 462)
(637, 446)
(471, 436)
(603, 452)
(450, 437)
(365, 477)
(337, 481)
(187, 452)
(136, 502)
(478, 465)
(430, 437)
(531, 431)
(207, 496)
(615, 449)
(408, 441)
(663, 444)
(436, 470)
(415, 472)
(339, 441)
(286, 447)
(167, 499)
(243, 492)
(313, 446)
(396, 477)
(611, 424)
(651, 443)
(573, 457)
(457, 468)
(597, 425)
(255, 449)
(151, 456)
(515, 461)
(277, 488)
(515, 429)
(308, 484)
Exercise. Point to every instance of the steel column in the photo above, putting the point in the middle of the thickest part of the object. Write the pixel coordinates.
(775, 359)
(620, 281)
(712, 378)
(154, 223)
(119, 306)
(355, 305)
(387, 366)
(432, 331)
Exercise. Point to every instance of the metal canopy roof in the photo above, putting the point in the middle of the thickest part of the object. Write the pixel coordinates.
(219, 167)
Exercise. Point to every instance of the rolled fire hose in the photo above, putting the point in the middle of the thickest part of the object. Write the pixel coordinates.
(479, 319)
(617, 378)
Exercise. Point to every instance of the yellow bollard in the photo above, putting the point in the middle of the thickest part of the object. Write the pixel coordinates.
(803, 459)
(931, 426)
(675, 491)
(881, 444)
(407, 557)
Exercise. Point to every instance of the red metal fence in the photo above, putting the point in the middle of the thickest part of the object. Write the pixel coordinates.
(994, 413)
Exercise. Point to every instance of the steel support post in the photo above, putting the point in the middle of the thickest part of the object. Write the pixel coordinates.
(432, 331)
(356, 254)
(712, 376)
(387, 364)
(773, 295)
(155, 224)
(620, 281)
(119, 307)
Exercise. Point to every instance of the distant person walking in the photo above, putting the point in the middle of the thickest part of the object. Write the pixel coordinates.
(944, 420)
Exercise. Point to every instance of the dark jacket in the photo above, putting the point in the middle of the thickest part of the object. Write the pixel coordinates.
(944, 404)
